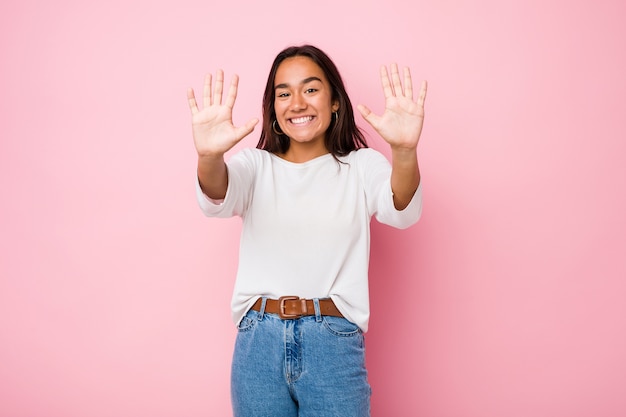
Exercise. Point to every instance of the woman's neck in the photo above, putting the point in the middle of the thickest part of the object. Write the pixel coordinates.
(300, 152)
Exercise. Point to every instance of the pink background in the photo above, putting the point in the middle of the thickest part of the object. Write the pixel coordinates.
(507, 299)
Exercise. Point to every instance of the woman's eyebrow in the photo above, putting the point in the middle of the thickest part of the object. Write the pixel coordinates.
(305, 81)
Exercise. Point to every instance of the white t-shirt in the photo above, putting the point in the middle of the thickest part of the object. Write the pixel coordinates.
(306, 226)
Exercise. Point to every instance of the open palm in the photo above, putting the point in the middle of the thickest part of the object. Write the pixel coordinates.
(401, 123)
(213, 129)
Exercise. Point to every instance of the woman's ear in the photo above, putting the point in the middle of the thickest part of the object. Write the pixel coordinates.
(335, 105)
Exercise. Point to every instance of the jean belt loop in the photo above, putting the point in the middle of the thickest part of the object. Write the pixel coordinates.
(318, 312)
(262, 311)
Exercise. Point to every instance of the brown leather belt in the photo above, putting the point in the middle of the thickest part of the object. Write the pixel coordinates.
(292, 307)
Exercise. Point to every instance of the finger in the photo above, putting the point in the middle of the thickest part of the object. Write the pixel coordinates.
(191, 98)
(364, 110)
(251, 123)
(232, 91)
(246, 129)
(219, 87)
(395, 80)
(207, 90)
(422, 97)
(384, 79)
(367, 114)
(408, 84)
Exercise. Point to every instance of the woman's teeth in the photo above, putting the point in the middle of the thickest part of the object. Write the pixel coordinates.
(301, 120)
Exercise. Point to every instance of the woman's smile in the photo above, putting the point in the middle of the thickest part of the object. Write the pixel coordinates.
(301, 121)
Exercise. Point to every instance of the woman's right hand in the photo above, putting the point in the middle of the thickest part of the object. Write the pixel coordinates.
(213, 130)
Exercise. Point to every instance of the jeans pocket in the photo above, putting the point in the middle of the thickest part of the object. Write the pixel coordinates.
(340, 326)
(247, 323)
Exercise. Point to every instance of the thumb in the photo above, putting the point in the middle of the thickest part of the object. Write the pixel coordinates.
(245, 130)
(367, 114)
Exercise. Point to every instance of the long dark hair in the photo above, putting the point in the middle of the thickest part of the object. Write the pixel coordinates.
(343, 135)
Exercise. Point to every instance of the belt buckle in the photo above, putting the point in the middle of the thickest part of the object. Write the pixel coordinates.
(281, 307)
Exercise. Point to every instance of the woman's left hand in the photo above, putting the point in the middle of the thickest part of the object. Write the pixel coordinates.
(401, 123)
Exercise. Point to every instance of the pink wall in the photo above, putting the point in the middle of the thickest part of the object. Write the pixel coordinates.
(506, 300)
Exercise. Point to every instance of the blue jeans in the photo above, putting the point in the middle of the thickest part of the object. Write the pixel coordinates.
(313, 366)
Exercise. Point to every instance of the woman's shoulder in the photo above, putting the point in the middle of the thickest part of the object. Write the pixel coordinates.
(252, 155)
(364, 156)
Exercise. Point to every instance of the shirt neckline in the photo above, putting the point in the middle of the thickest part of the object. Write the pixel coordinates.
(314, 161)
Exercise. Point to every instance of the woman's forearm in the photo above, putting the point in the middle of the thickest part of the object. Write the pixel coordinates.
(213, 176)
(405, 176)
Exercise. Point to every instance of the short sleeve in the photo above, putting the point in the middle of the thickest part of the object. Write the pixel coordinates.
(376, 173)
(241, 168)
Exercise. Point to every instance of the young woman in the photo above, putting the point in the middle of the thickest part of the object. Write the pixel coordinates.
(306, 195)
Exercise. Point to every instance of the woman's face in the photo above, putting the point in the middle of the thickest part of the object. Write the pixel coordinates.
(303, 101)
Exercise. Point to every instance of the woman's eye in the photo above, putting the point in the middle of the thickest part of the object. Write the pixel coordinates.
(311, 90)
(282, 95)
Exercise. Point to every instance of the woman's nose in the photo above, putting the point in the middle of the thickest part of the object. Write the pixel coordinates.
(297, 102)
